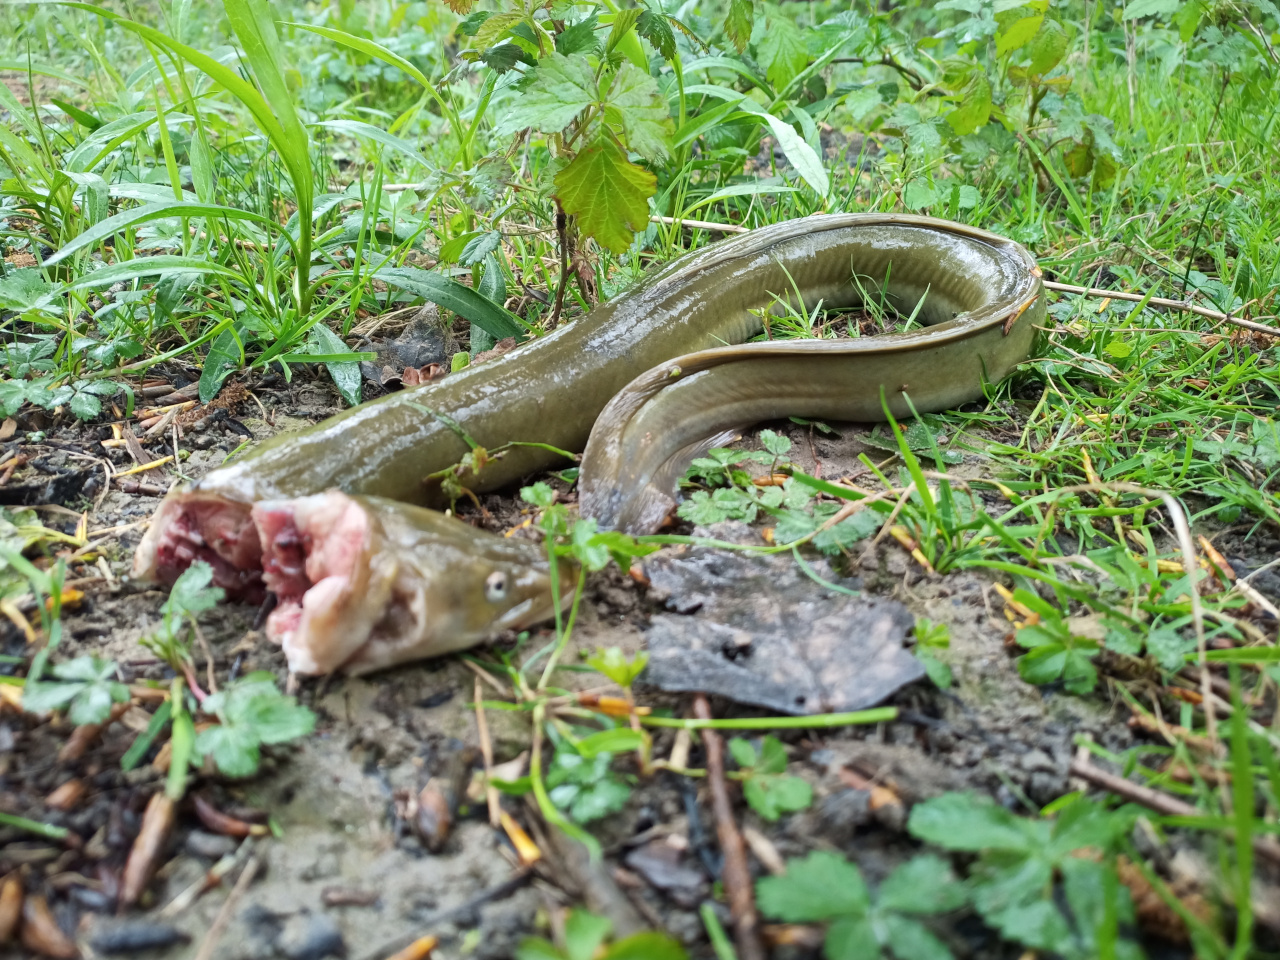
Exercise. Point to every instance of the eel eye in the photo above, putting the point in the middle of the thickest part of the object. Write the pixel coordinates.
(495, 586)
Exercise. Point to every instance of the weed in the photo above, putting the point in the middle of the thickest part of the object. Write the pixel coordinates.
(766, 787)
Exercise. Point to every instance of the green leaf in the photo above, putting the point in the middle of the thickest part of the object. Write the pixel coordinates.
(358, 128)
(938, 672)
(646, 946)
(775, 443)
(234, 749)
(783, 50)
(607, 194)
(635, 103)
(1152, 8)
(600, 800)
(924, 884)
(974, 108)
(85, 406)
(578, 37)
(584, 933)
(458, 297)
(540, 494)
(618, 740)
(617, 666)
(820, 887)
(562, 87)
(963, 821)
(852, 938)
(536, 948)
(75, 113)
(655, 28)
(738, 24)
(1018, 34)
(919, 194)
(743, 753)
(1047, 48)
(191, 592)
(479, 247)
(911, 940)
(321, 341)
(226, 354)
(154, 211)
(773, 756)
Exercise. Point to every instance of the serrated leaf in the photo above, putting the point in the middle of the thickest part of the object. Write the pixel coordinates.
(502, 57)
(635, 103)
(562, 87)
(234, 749)
(607, 194)
(851, 938)
(775, 443)
(738, 24)
(783, 50)
(962, 821)
(1046, 48)
(85, 405)
(13, 394)
(822, 886)
(974, 108)
(919, 194)
(924, 884)
(1018, 34)
(578, 37)
(479, 247)
(911, 940)
(191, 592)
(655, 28)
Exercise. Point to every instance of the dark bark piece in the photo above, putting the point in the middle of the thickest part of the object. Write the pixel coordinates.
(759, 631)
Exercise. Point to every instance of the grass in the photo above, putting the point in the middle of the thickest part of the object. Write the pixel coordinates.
(149, 212)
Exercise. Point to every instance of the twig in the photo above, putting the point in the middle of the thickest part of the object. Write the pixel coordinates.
(1183, 305)
(486, 752)
(1157, 801)
(223, 918)
(702, 224)
(736, 875)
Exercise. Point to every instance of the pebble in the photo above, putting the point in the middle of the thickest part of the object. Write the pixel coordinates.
(132, 936)
(311, 936)
(1035, 760)
(211, 846)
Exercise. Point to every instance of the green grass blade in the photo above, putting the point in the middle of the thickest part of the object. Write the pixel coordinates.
(156, 211)
(358, 128)
(458, 297)
(163, 265)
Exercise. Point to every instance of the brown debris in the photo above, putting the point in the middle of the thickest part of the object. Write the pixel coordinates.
(1154, 916)
(67, 796)
(736, 874)
(84, 736)
(41, 933)
(420, 949)
(228, 826)
(10, 906)
(148, 848)
(505, 345)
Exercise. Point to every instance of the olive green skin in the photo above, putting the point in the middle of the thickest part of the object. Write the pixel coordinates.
(983, 306)
(552, 389)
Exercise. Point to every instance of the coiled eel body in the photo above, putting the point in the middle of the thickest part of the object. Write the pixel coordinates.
(982, 300)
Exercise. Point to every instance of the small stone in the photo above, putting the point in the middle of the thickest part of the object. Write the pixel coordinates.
(211, 846)
(1034, 761)
(132, 936)
(311, 936)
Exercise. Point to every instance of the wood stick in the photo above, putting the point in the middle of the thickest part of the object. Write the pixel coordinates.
(702, 225)
(1157, 801)
(736, 874)
(1184, 305)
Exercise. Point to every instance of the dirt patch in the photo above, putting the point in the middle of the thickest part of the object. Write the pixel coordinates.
(349, 874)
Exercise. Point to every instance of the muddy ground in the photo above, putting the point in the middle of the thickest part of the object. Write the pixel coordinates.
(349, 877)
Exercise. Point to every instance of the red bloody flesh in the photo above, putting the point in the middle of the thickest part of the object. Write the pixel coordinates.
(223, 536)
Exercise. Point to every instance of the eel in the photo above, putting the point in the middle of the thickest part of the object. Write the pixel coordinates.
(981, 296)
(981, 319)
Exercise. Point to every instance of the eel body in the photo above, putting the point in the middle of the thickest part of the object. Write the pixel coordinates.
(981, 310)
(980, 299)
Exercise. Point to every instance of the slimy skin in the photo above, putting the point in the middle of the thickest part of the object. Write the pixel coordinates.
(983, 302)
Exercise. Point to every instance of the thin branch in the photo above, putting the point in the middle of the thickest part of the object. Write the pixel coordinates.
(1185, 306)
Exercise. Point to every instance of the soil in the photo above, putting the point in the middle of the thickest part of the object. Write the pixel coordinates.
(348, 875)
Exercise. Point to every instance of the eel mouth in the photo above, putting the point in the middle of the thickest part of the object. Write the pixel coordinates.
(192, 526)
(332, 586)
